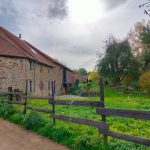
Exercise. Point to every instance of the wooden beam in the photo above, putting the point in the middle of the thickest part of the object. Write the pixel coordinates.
(136, 114)
(13, 102)
(101, 125)
(76, 103)
(39, 109)
(36, 97)
(126, 137)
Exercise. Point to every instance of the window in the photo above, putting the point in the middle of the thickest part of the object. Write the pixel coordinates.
(49, 85)
(30, 64)
(41, 68)
(41, 85)
(30, 86)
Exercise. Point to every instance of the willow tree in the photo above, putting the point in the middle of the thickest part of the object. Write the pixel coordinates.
(118, 61)
(145, 38)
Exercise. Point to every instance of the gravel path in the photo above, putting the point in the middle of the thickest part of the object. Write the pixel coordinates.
(13, 137)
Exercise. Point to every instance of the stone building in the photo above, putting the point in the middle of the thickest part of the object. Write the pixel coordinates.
(20, 62)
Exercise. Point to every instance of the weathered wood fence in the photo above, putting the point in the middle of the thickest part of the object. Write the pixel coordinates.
(103, 126)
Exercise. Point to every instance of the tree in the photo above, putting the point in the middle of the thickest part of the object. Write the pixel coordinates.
(118, 61)
(145, 38)
(134, 38)
(146, 7)
(145, 82)
(82, 71)
(139, 39)
(93, 75)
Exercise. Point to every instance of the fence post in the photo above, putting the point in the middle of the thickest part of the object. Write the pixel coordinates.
(10, 96)
(53, 105)
(102, 104)
(26, 93)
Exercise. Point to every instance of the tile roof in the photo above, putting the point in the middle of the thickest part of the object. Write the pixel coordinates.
(47, 56)
(11, 45)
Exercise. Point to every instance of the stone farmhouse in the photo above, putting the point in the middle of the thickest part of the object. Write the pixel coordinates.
(20, 62)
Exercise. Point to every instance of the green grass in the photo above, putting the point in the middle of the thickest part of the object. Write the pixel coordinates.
(83, 137)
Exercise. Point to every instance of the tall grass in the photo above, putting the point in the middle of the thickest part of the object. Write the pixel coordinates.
(81, 137)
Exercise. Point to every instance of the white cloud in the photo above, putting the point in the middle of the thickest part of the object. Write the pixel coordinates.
(74, 44)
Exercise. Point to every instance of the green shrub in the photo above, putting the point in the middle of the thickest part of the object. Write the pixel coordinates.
(73, 89)
(88, 142)
(58, 134)
(6, 110)
(17, 118)
(145, 82)
(135, 85)
(61, 133)
(33, 121)
(123, 145)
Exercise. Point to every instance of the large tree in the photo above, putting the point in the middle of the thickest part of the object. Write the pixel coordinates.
(118, 61)
(145, 38)
(82, 71)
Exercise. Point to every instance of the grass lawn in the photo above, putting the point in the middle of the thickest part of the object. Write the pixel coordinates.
(113, 99)
(87, 138)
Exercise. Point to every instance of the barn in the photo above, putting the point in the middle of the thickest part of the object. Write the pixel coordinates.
(21, 62)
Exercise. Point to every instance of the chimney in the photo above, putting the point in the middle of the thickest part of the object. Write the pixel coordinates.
(20, 36)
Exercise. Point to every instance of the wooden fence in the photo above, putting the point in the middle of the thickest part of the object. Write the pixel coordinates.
(103, 126)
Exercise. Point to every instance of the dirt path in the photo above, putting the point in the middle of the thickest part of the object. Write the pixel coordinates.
(13, 137)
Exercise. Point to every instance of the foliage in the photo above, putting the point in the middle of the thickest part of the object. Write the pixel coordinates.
(139, 39)
(134, 38)
(79, 137)
(73, 89)
(89, 142)
(33, 121)
(89, 88)
(118, 61)
(6, 110)
(82, 71)
(145, 38)
(145, 82)
(126, 81)
(17, 118)
(145, 34)
(93, 75)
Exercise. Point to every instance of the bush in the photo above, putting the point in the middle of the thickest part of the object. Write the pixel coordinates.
(88, 142)
(17, 118)
(135, 85)
(73, 89)
(61, 134)
(58, 134)
(33, 121)
(145, 82)
(6, 110)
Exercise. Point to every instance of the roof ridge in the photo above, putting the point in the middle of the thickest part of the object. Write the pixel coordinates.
(40, 51)
(15, 42)
(18, 47)
(45, 55)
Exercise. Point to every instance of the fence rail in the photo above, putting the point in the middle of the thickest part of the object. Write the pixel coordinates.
(102, 126)
(39, 109)
(136, 114)
(75, 103)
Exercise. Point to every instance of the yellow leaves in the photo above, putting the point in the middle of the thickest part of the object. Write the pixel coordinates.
(145, 81)
(93, 75)
(126, 81)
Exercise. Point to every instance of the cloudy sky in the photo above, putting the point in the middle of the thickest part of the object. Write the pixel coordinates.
(72, 31)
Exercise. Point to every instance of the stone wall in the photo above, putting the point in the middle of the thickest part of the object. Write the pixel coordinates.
(12, 73)
(15, 71)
